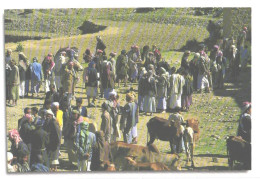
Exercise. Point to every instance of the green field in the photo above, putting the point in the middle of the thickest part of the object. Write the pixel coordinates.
(169, 29)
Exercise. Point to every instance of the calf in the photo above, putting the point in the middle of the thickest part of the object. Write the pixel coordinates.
(189, 142)
(133, 165)
(239, 150)
(150, 154)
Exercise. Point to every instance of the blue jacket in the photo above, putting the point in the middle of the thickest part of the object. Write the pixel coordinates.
(36, 70)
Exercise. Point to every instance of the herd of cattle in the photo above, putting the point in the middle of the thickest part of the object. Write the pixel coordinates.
(133, 157)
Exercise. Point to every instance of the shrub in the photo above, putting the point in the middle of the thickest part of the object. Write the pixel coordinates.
(19, 47)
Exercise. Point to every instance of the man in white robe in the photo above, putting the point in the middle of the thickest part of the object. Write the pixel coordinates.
(177, 82)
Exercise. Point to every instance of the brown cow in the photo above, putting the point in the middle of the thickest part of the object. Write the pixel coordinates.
(240, 150)
(134, 166)
(164, 130)
(150, 154)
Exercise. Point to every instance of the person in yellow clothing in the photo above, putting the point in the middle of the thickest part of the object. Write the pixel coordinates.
(57, 113)
(59, 119)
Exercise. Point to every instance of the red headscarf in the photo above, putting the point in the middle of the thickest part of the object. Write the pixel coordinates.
(14, 136)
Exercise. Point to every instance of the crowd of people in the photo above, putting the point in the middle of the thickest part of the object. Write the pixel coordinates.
(161, 88)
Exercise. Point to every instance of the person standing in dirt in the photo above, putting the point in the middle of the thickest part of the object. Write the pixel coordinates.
(129, 120)
(194, 70)
(187, 91)
(85, 142)
(141, 88)
(107, 122)
(8, 57)
(59, 62)
(25, 130)
(52, 95)
(13, 83)
(184, 60)
(82, 109)
(150, 93)
(150, 60)
(177, 82)
(242, 39)
(121, 67)
(107, 80)
(113, 62)
(68, 80)
(36, 75)
(39, 139)
(22, 72)
(47, 67)
(157, 53)
(162, 86)
(73, 56)
(70, 132)
(100, 45)
(90, 77)
(98, 60)
(28, 78)
(244, 125)
(203, 82)
(7, 72)
(87, 56)
(52, 127)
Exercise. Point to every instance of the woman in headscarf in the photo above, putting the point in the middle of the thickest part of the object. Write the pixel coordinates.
(150, 91)
(162, 85)
(90, 78)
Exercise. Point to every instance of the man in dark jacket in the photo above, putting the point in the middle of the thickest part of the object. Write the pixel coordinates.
(39, 140)
(25, 130)
(51, 126)
(121, 67)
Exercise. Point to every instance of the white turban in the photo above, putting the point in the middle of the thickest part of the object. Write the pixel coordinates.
(49, 112)
(55, 104)
(112, 93)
